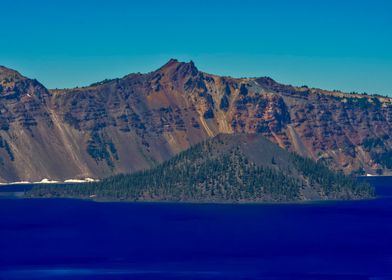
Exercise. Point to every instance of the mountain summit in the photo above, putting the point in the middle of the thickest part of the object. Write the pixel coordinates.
(135, 122)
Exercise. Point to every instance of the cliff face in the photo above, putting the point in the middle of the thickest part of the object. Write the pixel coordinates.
(135, 122)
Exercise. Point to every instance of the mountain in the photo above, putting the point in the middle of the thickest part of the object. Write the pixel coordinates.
(136, 122)
(226, 168)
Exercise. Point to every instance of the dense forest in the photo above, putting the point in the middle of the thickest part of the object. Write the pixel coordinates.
(227, 168)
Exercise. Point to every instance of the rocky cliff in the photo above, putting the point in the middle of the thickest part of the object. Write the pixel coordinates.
(132, 123)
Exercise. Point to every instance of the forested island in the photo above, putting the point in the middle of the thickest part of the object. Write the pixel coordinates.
(227, 168)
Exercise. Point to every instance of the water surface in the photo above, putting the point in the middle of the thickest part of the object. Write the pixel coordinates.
(75, 239)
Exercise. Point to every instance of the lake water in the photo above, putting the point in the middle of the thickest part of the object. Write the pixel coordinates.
(72, 239)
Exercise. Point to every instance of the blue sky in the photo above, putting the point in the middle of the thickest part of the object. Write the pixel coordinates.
(331, 44)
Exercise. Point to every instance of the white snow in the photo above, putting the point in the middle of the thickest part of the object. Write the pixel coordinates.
(16, 183)
(48, 181)
(74, 181)
(91, 180)
(80, 180)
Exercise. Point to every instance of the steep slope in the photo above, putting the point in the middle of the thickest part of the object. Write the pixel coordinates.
(226, 168)
(133, 123)
(34, 142)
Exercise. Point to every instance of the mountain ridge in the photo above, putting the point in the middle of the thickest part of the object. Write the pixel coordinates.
(132, 123)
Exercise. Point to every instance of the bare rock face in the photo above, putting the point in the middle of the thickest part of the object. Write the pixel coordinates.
(133, 123)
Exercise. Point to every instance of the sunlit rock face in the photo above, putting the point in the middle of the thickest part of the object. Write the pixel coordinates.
(135, 122)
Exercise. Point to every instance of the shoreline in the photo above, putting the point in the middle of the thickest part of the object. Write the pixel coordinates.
(90, 180)
(93, 198)
(292, 202)
(370, 176)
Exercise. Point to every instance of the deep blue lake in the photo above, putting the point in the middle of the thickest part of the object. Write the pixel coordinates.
(72, 239)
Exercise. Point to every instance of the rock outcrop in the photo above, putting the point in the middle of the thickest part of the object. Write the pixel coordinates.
(135, 122)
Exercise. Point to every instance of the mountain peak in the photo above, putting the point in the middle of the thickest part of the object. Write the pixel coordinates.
(13, 85)
(7, 73)
(172, 61)
(173, 67)
(266, 81)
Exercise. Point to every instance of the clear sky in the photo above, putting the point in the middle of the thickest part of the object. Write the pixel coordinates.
(332, 44)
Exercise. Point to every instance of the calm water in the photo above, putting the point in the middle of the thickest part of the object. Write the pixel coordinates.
(71, 239)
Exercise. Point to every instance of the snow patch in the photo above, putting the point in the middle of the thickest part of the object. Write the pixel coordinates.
(17, 183)
(86, 180)
(48, 181)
